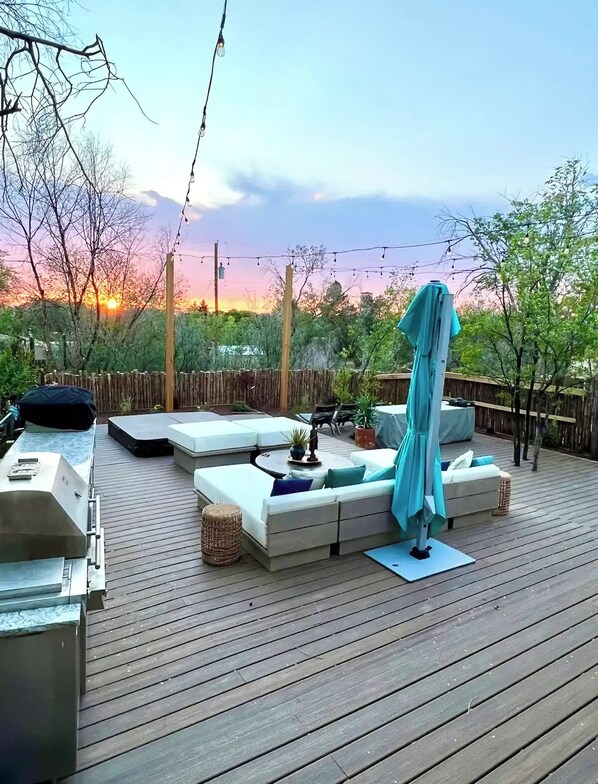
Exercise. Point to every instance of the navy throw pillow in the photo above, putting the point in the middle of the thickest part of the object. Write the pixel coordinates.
(288, 486)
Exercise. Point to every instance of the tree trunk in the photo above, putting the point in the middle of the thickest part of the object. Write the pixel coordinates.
(540, 431)
(528, 409)
(517, 416)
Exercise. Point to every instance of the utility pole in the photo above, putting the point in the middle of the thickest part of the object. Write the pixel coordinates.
(216, 278)
(287, 315)
(169, 347)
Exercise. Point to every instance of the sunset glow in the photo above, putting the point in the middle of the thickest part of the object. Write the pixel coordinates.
(112, 304)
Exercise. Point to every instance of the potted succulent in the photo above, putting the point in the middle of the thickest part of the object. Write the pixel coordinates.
(365, 421)
(298, 439)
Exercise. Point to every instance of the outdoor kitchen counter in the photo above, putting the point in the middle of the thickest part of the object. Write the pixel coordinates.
(41, 619)
(76, 447)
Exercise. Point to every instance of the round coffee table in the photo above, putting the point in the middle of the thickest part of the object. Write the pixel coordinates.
(275, 463)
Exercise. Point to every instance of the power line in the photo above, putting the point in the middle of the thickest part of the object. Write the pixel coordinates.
(218, 51)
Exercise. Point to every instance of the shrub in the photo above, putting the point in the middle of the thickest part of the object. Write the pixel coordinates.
(17, 373)
(240, 407)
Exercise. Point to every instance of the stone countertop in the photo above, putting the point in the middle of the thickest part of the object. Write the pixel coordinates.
(76, 447)
(38, 620)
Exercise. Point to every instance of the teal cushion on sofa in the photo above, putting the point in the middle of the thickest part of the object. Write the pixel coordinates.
(343, 477)
(480, 461)
(381, 474)
(289, 486)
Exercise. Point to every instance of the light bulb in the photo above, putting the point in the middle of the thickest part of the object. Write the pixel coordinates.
(220, 46)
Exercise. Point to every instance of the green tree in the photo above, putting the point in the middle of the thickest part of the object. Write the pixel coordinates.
(537, 275)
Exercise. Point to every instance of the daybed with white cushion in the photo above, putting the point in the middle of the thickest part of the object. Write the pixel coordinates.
(217, 443)
(279, 532)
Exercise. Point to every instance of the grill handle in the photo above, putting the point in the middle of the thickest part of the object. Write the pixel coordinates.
(96, 529)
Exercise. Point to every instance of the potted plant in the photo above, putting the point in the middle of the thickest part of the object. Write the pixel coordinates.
(298, 439)
(365, 421)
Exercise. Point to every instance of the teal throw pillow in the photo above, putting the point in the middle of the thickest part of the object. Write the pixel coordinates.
(381, 474)
(480, 461)
(343, 477)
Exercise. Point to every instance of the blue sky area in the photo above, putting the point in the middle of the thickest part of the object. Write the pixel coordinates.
(344, 122)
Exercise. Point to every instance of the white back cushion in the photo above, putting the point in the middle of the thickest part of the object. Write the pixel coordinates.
(294, 501)
(317, 476)
(365, 490)
(463, 461)
(469, 474)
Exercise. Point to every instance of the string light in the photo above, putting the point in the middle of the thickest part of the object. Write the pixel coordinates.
(228, 261)
(334, 253)
(218, 50)
(449, 251)
(526, 238)
(383, 254)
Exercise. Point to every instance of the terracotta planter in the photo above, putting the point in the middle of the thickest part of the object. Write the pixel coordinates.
(365, 437)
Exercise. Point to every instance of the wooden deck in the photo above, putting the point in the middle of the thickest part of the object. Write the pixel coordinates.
(340, 671)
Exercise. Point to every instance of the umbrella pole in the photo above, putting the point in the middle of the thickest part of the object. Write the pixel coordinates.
(420, 550)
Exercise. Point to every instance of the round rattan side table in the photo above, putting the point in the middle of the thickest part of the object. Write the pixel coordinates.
(221, 534)
(504, 495)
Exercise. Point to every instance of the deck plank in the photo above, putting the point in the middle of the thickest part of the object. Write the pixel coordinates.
(340, 669)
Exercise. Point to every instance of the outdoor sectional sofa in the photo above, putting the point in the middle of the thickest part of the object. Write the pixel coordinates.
(289, 530)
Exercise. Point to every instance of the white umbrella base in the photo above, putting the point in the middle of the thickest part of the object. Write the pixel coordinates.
(398, 559)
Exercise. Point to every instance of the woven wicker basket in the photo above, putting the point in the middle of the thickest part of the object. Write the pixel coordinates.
(221, 534)
(504, 495)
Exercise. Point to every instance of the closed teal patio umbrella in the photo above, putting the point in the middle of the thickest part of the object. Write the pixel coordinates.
(418, 499)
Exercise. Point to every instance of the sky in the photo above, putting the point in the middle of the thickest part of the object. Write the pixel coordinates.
(341, 122)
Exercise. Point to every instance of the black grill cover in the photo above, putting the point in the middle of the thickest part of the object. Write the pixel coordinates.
(59, 407)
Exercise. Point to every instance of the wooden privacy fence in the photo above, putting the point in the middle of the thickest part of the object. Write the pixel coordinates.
(258, 388)
(573, 423)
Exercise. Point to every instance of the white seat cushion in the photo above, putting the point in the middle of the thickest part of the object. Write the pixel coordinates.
(272, 431)
(216, 436)
(244, 485)
(374, 458)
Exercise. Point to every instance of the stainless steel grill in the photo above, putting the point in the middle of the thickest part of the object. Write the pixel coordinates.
(51, 575)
